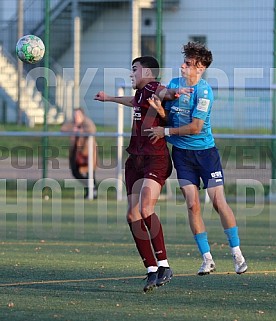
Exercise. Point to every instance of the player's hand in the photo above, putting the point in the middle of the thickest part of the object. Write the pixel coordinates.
(155, 102)
(155, 133)
(184, 91)
(101, 96)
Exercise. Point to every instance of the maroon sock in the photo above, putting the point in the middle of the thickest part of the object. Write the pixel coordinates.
(143, 244)
(157, 238)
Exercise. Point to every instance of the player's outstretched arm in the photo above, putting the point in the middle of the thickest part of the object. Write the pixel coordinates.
(124, 100)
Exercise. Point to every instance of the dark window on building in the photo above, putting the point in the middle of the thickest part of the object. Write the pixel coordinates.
(148, 47)
(198, 38)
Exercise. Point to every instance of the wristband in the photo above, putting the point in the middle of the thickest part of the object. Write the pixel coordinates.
(167, 131)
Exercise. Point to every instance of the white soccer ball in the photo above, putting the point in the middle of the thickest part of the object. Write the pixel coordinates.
(30, 49)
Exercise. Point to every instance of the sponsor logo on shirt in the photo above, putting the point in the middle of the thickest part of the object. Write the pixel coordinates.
(186, 99)
(180, 110)
(137, 116)
(137, 113)
(203, 104)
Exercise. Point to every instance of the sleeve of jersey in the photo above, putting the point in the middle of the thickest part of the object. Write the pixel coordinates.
(204, 103)
(169, 103)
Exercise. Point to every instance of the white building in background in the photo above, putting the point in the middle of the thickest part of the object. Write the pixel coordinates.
(239, 33)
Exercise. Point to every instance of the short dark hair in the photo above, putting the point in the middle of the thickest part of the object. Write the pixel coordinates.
(199, 52)
(148, 62)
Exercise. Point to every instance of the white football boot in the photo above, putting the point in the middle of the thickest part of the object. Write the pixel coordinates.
(207, 267)
(239, 263)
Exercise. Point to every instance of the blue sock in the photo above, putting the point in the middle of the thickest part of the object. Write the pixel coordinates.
(202, 242)
(232, 236)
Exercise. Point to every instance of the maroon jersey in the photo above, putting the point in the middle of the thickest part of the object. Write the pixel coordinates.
(144, 117)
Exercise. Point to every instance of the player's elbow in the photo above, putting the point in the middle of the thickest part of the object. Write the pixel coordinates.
(195, 130)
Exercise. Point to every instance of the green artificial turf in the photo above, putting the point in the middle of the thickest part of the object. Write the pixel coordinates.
(75, 260)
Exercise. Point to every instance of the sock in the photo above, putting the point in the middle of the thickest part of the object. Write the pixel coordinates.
(202, 242)
(163, 263)
(152, 269)
(207, 256)
(142, 241)
(157, 238)
(236, 251)
(232, 236)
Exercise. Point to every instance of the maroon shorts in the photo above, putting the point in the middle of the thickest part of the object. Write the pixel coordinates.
(138, 167)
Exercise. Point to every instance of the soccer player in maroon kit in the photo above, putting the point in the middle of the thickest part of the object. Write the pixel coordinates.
(146, 170)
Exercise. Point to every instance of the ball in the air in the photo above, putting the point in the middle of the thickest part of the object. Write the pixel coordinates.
(30, 49)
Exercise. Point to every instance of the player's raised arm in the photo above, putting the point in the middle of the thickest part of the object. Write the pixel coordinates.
(124, 100)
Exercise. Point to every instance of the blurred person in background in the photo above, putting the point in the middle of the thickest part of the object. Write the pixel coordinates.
(78, 152)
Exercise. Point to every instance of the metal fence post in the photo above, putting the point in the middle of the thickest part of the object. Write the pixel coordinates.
(91, 167)
(120, 143)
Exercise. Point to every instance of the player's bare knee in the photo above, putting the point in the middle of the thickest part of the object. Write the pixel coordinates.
(193, 206)
(130, 217)
(146, 211)
(220, 205)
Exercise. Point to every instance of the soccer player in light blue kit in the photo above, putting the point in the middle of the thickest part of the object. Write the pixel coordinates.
(194, 153)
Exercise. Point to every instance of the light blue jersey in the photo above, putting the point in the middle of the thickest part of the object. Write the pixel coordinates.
(185, 108)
